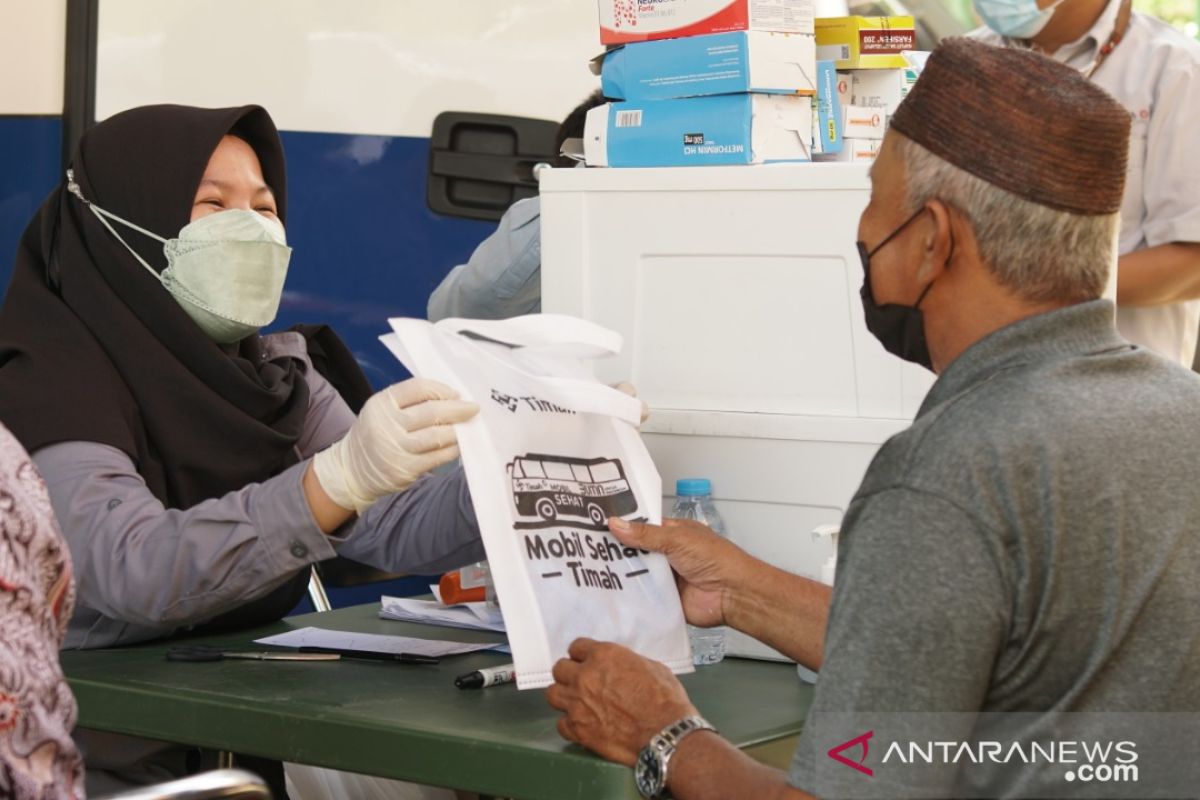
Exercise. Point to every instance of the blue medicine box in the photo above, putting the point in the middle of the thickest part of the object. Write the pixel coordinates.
(827, 133)
(722, 129)
(720, 63)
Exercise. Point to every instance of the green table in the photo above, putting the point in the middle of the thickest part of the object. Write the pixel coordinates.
(400, 721)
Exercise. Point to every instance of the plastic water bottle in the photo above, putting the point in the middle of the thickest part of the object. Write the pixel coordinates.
(828, 572)
(695, 502)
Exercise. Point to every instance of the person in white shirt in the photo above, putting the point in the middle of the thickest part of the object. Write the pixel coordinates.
(1153, 70)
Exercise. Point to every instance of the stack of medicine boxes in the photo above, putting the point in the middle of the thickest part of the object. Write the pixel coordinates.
(872, 76)
(694, 87)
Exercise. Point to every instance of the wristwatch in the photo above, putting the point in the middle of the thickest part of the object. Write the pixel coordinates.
(650, 772)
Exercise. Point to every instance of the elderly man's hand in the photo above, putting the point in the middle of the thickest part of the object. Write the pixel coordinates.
(706, 566)
(614, 700)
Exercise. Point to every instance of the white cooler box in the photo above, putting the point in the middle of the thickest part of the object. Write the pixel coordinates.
(737, 292)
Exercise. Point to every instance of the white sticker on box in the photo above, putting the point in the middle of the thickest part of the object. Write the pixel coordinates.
(833, 52)
(629, 119)
(781, 15)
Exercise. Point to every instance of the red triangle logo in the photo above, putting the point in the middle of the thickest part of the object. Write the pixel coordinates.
(836, 753)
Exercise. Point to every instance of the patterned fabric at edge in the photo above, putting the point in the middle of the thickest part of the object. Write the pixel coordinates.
(38, 759)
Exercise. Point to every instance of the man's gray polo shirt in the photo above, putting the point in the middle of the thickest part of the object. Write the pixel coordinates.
(1031, 543)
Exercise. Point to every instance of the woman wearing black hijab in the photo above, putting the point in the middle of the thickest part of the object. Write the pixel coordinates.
(197, 468)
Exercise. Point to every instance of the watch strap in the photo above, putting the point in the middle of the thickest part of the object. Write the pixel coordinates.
(666, 741)
(674, 733)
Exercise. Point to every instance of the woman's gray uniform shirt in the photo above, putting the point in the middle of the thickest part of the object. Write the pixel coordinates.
(143, 571)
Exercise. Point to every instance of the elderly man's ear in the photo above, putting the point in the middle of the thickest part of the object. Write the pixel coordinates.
(940, 232)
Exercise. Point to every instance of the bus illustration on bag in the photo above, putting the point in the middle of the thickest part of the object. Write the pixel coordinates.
(547, 487)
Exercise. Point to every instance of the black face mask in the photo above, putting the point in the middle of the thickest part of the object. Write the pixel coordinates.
(900, 329)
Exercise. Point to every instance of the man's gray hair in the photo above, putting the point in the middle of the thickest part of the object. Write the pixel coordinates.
(1040, 253)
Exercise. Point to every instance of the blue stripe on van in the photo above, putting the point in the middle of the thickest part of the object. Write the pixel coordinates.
(29, 163)
(367, 247)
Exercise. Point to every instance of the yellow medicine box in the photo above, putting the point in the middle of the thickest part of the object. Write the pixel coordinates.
(865, 42)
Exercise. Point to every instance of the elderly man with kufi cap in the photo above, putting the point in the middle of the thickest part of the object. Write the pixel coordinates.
(1030, 544)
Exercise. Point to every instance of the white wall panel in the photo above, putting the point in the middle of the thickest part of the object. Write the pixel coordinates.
(32, 46)
(385, 67)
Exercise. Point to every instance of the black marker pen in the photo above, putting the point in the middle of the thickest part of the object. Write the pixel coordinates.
(374, 655)
(483, 678)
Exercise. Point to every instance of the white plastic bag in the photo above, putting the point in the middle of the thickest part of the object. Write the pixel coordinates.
(552, 454)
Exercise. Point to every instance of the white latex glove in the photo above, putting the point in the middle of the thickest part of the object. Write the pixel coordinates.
(628, 388)
(401, 433)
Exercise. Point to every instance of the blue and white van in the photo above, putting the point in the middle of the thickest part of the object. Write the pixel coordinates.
(381, 205)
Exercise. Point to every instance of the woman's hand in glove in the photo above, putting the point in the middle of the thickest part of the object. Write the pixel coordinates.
(403, 432)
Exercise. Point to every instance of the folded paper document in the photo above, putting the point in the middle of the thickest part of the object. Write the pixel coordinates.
(371, 642)
(472, 616)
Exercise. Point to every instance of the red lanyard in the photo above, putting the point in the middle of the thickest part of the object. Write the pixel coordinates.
(1124, 16)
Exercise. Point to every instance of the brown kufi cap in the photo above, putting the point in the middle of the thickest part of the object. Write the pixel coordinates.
(1022, 122)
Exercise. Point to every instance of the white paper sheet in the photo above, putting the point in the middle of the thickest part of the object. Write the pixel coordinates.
(472, 616)
(373, 642)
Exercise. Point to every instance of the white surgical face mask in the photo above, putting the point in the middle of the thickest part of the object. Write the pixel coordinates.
(226, 270)
(1018, 19)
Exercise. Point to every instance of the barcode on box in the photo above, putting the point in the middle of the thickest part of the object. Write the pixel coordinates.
(833, 52)
(629, 119)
